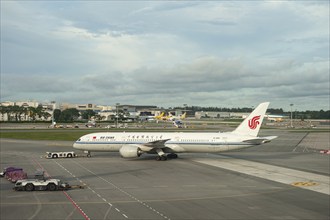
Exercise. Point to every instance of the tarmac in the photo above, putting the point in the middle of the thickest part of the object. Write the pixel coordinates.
(285, 179)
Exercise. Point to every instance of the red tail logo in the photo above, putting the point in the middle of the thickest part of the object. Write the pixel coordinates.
(254, 122)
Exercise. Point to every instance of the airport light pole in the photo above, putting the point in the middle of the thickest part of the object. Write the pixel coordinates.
(117, 116)
(53, 106)
(291, 114)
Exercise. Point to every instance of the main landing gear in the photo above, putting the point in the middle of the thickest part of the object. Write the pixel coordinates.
(164, 157)
(161, 158)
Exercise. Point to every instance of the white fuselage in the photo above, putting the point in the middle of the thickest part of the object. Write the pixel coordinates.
(176, 142)
(167, 144)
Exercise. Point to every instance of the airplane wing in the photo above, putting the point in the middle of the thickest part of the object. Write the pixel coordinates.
(260, 140)
(156, 144)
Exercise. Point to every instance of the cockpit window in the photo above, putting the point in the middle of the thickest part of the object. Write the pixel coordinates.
(79, 139)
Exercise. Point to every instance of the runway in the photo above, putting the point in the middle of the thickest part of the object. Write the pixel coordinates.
(194, 186)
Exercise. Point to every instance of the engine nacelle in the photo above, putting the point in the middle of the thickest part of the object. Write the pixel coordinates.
(130, 151)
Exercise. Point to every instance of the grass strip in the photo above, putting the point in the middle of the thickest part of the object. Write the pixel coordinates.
(28, 135)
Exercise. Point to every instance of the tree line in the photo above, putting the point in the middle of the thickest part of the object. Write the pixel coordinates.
(295, 114)
(17, 113)
(21, 113)
(72, 115)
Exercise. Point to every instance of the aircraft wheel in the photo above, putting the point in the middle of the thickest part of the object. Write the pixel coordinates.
(89, 155)
(163, 158)
(158, 158)
(172, 156)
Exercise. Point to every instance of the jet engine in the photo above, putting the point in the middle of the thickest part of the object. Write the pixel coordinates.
(130, 151)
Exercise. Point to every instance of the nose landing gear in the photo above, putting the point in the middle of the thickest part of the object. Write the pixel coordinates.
(88, 153)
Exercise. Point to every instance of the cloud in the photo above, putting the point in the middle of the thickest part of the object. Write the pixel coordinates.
(166, 53)
(206, 77)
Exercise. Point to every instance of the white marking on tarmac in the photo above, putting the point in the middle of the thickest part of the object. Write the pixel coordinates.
(188, 185)
(88, 188)
(270, 172)
(65, 193)
(121, 190)
(160, 186)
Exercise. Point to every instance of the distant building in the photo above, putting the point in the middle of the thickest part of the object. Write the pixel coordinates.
(34, 104)
(26, 116)
(80, 107)
(136, 108)
(107, 113)
(202, 114)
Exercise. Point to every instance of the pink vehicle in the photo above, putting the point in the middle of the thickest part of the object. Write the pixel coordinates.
(13, 174)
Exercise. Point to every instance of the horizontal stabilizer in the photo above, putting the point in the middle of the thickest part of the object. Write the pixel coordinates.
(260, 140)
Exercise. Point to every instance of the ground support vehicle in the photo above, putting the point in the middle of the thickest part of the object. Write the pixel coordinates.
(41, 185)
(68, 154)
(13, 174)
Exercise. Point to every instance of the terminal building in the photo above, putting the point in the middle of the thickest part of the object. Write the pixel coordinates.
(202, 114)
(103, 113)
(21, 113)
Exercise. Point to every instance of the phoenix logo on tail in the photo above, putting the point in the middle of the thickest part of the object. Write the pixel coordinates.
(254, 122)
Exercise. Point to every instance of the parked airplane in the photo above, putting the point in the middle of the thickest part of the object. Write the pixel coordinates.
(163, 117)
(178, 124)
(275, 118)
(175, 118)
(168, 144)
(151, 117)
(158, 117)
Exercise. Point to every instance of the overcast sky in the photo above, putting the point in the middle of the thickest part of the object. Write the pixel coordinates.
(217, 53)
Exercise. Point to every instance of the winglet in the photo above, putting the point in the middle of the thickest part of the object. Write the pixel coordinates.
(251, 125)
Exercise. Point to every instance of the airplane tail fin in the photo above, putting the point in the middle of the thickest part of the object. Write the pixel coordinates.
(183, 116)
(251, 125)
(160, 116)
